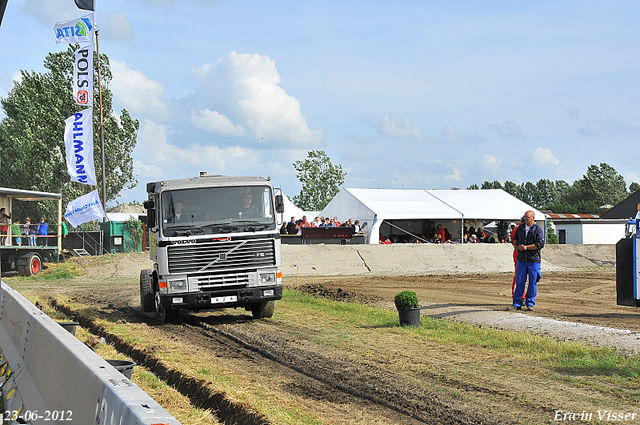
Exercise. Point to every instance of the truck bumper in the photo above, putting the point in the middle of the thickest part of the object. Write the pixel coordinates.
(220, 299)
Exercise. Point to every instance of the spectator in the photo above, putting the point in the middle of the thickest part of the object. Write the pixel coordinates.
(304, 222)
(315, 222)
(290, 226)
(65, 233)
(43, 231)
(33, 231)
(440, 238)
(5, 220)
(16, 233)
(356, 227)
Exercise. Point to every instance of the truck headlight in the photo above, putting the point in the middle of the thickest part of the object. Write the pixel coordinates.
(177, 285)
(268, 278)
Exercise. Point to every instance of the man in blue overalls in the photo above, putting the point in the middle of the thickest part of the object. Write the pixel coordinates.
(528, 240)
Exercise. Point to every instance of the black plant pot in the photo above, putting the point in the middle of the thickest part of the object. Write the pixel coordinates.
(409, 317)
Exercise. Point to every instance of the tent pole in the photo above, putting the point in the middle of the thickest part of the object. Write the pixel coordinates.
(462, 231)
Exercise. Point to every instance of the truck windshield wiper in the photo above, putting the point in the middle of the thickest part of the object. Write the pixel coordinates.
(225, 227)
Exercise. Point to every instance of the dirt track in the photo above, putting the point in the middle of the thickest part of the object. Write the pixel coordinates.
(381, 383)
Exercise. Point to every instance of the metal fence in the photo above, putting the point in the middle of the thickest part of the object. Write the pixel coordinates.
(92, 242)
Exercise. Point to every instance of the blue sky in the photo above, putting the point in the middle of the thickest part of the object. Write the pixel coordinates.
(407, 94)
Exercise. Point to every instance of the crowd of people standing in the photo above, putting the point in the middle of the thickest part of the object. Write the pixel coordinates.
(294, 227)
(29, 233)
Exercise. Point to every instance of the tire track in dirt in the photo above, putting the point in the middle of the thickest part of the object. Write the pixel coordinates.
(195, 389)
(362, 380)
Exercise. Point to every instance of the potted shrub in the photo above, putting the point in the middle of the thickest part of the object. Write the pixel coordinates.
(408, 308)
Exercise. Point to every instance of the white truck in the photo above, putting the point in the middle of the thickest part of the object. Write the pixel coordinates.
(215, 243)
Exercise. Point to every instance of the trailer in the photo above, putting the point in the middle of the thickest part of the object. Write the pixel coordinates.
(28, 260)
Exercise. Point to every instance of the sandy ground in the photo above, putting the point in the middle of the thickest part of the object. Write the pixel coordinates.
(467, 283)
(371, 383)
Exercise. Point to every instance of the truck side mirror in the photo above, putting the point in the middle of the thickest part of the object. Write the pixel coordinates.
(279, 204)
(151, 213)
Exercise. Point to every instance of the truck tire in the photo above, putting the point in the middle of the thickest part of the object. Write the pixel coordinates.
(147, 302)
(162, 314)
(263, 309)
(33, 266)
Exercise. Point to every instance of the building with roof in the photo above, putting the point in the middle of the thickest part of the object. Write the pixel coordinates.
(587, 229)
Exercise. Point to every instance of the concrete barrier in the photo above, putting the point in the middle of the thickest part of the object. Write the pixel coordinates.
(50, 377)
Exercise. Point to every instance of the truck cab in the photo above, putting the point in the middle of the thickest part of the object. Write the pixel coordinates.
(215, 243)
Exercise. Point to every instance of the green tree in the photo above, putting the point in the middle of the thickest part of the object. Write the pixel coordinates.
(320, 178)
(552, 238)
(491, 185)
(32, 135)
(601, 185)
(545, 193)
(634, 187)
(511, 188)
(473, 187)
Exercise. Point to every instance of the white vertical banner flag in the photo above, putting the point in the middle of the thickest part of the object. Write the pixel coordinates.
(84, 209)
(83, 76)
(79, 30)
(78, 139)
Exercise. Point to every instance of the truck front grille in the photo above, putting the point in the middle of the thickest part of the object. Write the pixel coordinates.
(204, 258)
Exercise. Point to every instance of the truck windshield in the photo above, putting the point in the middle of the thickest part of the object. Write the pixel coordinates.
(215, 208)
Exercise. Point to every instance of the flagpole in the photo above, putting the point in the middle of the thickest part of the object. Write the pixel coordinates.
(104, 181)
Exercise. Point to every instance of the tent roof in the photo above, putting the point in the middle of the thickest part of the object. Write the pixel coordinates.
(395, 204)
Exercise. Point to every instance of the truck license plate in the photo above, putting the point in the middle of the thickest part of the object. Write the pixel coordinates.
(222, 300)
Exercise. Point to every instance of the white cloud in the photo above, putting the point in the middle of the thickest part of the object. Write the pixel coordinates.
(136, 92)
(543, 156)
(451, 135)
(454, 176)
(608, 127)
(245, 89)
(164, 160)
(48, 12)
(632, 177)
(115, 26)
(399, 128)
(508, 130)
(491, 164)
(216, 122)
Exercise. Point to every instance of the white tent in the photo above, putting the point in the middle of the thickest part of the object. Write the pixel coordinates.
(402, 209)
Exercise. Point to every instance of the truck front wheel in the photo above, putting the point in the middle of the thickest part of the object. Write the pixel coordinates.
(147, 302)
(263, 309)
(162, 314)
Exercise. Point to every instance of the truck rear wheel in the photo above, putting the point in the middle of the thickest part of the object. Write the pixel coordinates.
(263, 309)
(147, 302)
(162, 314)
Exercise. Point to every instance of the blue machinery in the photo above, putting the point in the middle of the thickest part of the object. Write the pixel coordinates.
(628, 265)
